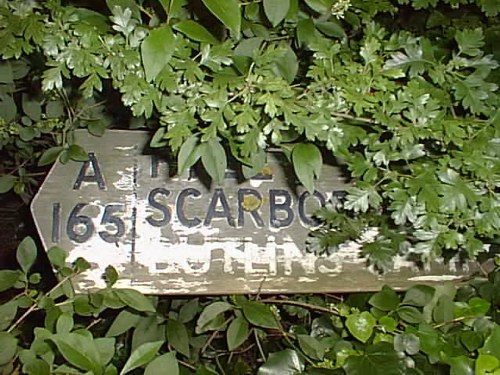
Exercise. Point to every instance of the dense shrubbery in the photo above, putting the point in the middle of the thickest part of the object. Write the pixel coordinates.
(403, 94)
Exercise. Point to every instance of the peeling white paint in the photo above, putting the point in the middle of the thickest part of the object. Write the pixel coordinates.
(435, 278)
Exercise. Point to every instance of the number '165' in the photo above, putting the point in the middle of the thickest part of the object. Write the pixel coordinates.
(80, 228)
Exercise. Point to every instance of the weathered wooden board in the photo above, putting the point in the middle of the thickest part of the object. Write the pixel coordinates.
(178, 235)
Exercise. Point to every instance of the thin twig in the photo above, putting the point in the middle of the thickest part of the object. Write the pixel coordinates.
(257, 341)
(304, 305)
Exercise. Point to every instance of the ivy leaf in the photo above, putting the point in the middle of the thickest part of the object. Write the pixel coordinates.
(260, 315)
(156, 51)
(142, 355)
(385, 300)
(378, 359)
(285, 362)
(307, 163)
(361, 325)
(237, 333)
(26, 254)
(470, 41)
(228, 12)
(213, 157)
(195, 31)
(419, 295)
(276, 10)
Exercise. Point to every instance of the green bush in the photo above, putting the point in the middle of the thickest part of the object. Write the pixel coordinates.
(426, 330)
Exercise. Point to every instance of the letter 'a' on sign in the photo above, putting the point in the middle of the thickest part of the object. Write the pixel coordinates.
(182, 235)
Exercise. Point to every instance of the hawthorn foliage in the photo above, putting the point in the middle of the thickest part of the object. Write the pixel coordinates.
(403, 94)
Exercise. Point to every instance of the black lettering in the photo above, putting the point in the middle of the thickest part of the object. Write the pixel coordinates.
(78, 222)
(250, 204)
(302, 209)
(212, 213)
(284, 207)
(84, 177)
(165, 210)
(180, 207)
(56, 222)
(110, 218)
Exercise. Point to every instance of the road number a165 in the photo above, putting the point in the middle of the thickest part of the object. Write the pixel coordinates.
(80, 228)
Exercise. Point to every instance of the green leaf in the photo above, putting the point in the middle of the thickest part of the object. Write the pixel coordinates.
(8, 347)
(260, 315)
(228, 12)
(57, 256)
(135, 300)
(443, 311)
(237, 333)
(276, 10)
(32, 108)
(26, 254)
(8, 108)
(106, 347)
(124, 321)
(211, 312)
(8, 311)
(6, 183)
(320, 6)
(491, 344)
(50, 155)
(288, 65)
(312, 347)
(213, 157)
(164, 364)
(195, 31)
(8, 279)
(470, 41)
(486, 364)
(285, 362)
(77, 153)
(64, 323)
(6, 75)
(361, 325)
(407, 342)
(410, 314)
(178, 337)
(307, 163)
(385, 300)
(419, 295)
(189, 310)
(79, 350)
(110, 276)
(378, 359)
(141, 356)
(189, 153)
(156, 51)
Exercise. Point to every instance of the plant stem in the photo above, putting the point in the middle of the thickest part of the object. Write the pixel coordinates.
(304, 305)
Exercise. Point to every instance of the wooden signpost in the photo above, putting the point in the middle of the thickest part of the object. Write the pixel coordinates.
(179, 235)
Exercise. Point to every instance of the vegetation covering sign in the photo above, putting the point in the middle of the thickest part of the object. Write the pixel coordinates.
(182, 234)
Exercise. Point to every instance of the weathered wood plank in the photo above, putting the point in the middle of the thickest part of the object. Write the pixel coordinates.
(178, 235)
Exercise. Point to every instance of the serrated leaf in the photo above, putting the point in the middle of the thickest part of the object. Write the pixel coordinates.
(237, 333)
(26, 254)
(195, 31)
(470, 41)
(260, 315)
(211, 312)
(276, 10)
(307, 163)
(6, 183)
(213, 157)
(135, 300)
(50, 155)
(177, 336)
(228, 12)
(164, 364)
(189, 153)
(156, 51)
(141, 356)
(361, 325)
(284, 362)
